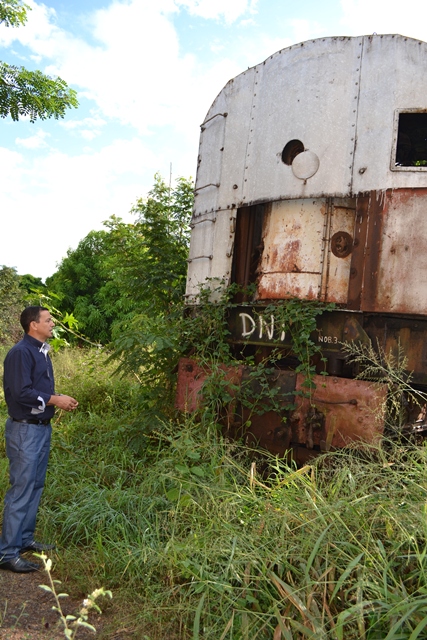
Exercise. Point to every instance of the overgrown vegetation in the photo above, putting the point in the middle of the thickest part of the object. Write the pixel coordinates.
(197, 536)
(129, 274)
(200, 538)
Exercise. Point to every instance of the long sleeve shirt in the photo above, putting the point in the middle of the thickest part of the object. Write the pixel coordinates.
(28, 380)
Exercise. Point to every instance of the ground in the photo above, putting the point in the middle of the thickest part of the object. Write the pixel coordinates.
(26, 611)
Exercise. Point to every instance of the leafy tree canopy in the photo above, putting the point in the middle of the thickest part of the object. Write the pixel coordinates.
(30, 283)
(13, 13)
(29, 93)
(129, 270)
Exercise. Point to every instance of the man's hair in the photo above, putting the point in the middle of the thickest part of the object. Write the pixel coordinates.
(29, 315)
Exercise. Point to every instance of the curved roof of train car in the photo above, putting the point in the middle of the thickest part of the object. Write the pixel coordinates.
(338, 97)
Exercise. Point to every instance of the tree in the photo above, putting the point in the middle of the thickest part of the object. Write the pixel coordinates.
(11, 305)
(129, 270)
(78, 283)
(31, 284)
(29, 93)
(153, 257)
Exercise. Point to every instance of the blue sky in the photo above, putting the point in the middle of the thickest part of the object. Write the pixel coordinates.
(146, 73)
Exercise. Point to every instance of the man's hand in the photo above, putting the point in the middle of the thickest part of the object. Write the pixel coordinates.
(67, 403)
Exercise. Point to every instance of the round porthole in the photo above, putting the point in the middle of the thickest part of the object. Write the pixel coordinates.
(291, 150)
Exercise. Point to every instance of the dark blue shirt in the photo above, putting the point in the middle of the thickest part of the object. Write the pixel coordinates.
(28, 381)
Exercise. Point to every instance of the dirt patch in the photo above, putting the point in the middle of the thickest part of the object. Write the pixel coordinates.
(26, 611)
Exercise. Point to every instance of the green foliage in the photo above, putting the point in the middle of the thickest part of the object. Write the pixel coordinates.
(391, 369)
(199, 537)
(31, 284)
(123, 277)
(152, 265)
(298, 317)
(11, 305)
(33, 94)
(79, 282)
(29, 93)
(13, 13)
(203, 538)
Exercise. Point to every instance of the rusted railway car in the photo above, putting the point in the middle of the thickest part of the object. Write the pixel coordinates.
(312, 184)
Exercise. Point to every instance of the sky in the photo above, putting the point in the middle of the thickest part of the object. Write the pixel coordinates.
(146, 73)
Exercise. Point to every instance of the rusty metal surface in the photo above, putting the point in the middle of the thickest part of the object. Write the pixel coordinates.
(401, 334)
(191, 378)
(370, 264)
(401, 281)
(307, 246)
(293, 246)
(351, 411)
(357, 267)
(338, 412)
(257, 424)
(339, 248)
(190, 382)
(389, 262)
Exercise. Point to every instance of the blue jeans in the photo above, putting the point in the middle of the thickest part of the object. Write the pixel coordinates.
(27, 447)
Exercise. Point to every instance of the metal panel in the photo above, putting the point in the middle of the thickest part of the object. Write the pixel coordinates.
(401, 280)
(327, 93)
(209, 164)
(393, 76)
(200, 255)
(235, 100)
(307, 92)
(341, 241)
(339, 411)
(351, 410)
(293, 250)
(223, 244)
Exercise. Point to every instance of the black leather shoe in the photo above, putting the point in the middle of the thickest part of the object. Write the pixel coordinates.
(37, 547)
(19, 565)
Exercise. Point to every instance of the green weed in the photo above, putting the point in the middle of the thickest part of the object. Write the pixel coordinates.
(200, 537)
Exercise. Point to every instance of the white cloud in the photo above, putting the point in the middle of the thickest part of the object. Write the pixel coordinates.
(52, 202)
(34, 142)
(304, 29)
(88, 128)
(135, 73)
(230, 10)
(362, 17)
(38, 27)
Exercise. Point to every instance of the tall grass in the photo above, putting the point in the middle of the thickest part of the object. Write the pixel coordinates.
(198, 537)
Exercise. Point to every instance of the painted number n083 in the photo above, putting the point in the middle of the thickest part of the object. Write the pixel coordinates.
(328, 339)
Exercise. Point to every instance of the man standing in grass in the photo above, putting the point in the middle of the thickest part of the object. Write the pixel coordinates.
(30, 396)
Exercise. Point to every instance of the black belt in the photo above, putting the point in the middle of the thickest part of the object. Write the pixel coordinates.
(32, 421)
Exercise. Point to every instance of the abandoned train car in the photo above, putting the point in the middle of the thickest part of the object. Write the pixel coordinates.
(312, 184)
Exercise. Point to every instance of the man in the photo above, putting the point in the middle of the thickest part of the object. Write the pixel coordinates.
(30, 397)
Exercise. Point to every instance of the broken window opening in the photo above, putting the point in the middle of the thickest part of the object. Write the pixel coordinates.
(247, 248)
(411, 147)
(291, 151)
